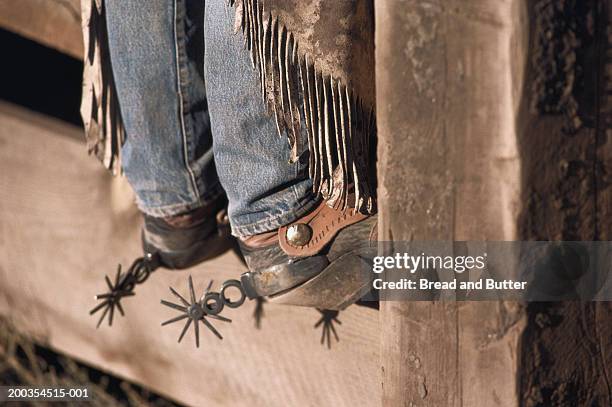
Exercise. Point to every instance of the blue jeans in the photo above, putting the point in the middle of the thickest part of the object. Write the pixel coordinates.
(195, 122)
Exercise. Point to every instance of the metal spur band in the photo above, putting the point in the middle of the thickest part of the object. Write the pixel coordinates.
(192, 308)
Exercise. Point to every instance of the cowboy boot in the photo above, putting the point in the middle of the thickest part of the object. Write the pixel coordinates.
(185, 240)
(321, 260)
(175, 242)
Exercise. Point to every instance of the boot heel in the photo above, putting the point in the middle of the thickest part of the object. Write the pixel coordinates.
(340, 284)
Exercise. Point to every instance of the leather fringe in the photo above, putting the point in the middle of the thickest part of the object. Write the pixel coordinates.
(99, 105)
(337, 122)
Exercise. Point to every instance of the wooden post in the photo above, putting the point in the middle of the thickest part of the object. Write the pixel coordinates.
(461, 158)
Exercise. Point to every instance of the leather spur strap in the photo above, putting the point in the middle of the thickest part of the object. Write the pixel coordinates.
(310, 234)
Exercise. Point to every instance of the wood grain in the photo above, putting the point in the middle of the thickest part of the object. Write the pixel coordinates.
(495, 125)
(448, 77)
(64, 223)
(54, 23)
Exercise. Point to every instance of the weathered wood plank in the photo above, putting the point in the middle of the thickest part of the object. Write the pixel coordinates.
(64, 223)
(448, 73)
(419, 343)
(495, 126)
(55, 23)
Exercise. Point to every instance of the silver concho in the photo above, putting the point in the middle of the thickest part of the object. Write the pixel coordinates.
(299, 234)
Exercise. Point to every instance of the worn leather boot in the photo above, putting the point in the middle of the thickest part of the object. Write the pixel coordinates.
(174, 242)
(185, 240)
(322, 260)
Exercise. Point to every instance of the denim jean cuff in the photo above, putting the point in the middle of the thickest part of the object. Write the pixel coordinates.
(213, 193)
(266, 225)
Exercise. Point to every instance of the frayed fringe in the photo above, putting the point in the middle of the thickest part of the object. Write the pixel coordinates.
(99, 104)
(337, 123)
